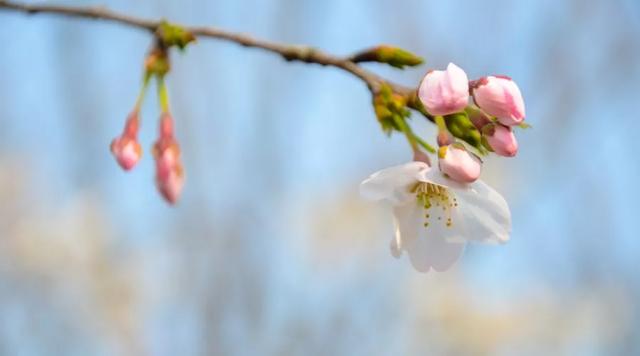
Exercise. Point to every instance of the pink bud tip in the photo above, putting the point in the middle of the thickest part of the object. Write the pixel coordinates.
(127, 151)
(444, 139)
(169, 171)
(444, 92)
(499, 96)
(420, 156)
(459, 164)
(501, 139)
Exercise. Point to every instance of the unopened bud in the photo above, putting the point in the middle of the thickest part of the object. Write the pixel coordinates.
(501, 139)
(127, 151)
(444, 92)
(125, 148)
(499, 96)
(459, 164)
(169, 171)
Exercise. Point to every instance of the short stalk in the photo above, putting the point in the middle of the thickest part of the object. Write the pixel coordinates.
(163, 95)
(143, 91)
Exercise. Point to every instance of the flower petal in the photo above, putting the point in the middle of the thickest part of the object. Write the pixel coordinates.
(427, 247)
(435, 176)
(485, 214)
(482, 214)
(434, 252)
(394, 246)
(391, 183)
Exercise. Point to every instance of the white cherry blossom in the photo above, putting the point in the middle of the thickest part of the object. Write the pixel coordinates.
(434, 216)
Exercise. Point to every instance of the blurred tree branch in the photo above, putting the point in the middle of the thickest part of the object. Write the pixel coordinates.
(289, 52)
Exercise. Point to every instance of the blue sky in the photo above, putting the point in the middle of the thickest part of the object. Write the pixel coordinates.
(268, 145)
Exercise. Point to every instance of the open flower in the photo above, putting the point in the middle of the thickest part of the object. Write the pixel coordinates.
(435, 216)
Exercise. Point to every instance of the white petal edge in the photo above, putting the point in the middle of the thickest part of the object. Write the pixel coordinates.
(436, 177)
(391, 183)
(485, 214)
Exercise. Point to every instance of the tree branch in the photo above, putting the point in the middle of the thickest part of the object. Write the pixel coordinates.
(289, 52)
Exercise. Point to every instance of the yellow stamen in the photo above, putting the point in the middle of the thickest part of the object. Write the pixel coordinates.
(430, 194)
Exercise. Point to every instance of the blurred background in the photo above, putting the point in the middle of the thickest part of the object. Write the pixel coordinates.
(271, 251)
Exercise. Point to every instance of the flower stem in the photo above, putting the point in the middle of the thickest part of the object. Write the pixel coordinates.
(414, 141)
(163, 95)
(442, 126)
(407, 132)
(143, 90)
(424, 144)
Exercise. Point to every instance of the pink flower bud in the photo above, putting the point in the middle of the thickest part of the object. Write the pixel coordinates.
(126, 148)
(169, 171)
(459, 164)
(127, 151)
(501, 139)
(499, 96)
(444, 92)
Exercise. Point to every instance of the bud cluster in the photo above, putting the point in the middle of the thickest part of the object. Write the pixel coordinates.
(466, 128)
(166, 151)
(485, 125)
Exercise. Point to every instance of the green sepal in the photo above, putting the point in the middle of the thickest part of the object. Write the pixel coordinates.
(415, 103)
(524, 125)
(174, 35)
(392, 113)
(389, 107)
(461, 127)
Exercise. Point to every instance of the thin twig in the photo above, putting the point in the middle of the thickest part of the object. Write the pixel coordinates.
(289, 52)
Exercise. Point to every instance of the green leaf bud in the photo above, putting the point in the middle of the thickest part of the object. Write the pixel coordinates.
(393, 56)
